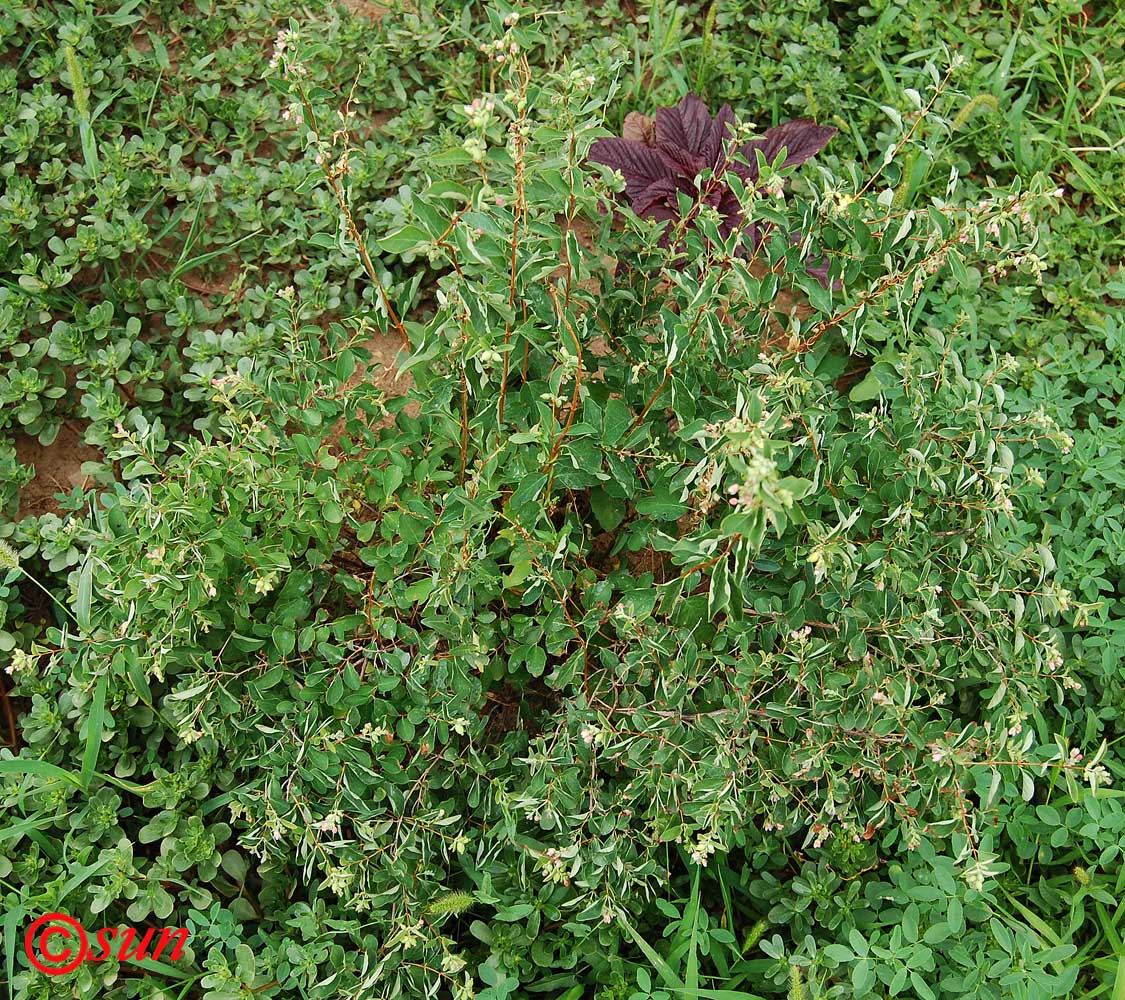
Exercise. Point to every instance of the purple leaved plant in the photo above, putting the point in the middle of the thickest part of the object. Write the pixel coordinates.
(663, 156)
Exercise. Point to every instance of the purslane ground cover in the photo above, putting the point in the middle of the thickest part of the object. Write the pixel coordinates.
(462, 584)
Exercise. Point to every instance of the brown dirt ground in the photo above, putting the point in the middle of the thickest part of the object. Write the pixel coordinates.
(382, 370)
(58, 469)
(386, 351)
(364, 8)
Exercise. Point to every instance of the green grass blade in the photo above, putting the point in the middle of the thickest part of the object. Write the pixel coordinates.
(203, 258)
(11, 922)
(691, 979)
(21, 765)
(163, 968)
(85, 596)
(720, 994)
(671, 980)
(1119, 981)
(94, 726)
(15, 830)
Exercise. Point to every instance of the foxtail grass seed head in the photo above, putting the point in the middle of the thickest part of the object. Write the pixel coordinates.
(796, 983)
(9, 558)
(754, 935)
(451, 904)
(77, 81)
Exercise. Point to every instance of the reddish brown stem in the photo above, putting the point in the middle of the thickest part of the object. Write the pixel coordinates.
(648, 406)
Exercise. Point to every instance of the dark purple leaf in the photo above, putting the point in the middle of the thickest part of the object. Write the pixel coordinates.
(801, 139)
(661, 192)
(662, 156)
(687, 126)
(639, 165)
(685, 163)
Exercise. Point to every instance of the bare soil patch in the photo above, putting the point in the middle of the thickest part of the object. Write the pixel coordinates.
(364, 8)
(58, 469)
(382, 370)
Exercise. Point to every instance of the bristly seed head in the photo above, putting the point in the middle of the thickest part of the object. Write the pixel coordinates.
(454, 903)
(9, 558)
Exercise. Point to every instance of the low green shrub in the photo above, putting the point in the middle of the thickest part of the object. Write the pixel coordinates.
(702, 572)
